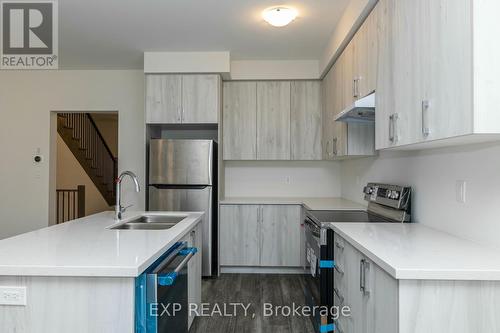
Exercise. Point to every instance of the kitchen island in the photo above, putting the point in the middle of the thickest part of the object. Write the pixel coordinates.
(80, 276)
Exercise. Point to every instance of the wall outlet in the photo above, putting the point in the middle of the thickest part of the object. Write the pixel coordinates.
(13, 296)
(461, 191)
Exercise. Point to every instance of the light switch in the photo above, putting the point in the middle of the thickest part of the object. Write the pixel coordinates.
(13, 296)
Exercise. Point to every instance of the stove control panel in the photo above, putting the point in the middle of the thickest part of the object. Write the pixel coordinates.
(394, 196)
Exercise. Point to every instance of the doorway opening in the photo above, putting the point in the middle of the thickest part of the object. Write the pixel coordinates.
(84, 164)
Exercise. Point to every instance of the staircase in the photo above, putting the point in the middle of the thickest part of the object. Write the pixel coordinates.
(81, 135)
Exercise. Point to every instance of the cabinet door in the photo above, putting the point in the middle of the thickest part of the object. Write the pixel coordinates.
(194, 269)
(240, 121)
(407, 70)
(365, 57)
(200, 98)
(384, 99)
(334, 133)
(380, 306)
(306, 107)
(350, 289)
(273, 120)
(240, 235)
(347, 63)
(281, 228)
(446, 42)
(399, 73)
(163, 99)
(328, 115)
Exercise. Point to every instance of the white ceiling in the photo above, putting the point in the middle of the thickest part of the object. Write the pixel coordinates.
(115, 33)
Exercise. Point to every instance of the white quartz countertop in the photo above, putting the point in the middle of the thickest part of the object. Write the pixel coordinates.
(308, 203)
(87, 247)
(414, 251)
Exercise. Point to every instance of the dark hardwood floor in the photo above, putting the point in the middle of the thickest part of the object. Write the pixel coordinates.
(255, 290)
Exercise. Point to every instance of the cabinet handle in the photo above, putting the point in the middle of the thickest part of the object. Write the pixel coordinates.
(328, 149)
(339, 270)
(337, 326)
(361, 277)
(354, 88)
(391, 128)
(425, 118)
(339, 246)
(396, 127)
(364, 266)
(334, 147)
(339, 295)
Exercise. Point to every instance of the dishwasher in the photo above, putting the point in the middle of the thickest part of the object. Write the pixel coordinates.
(161, 293)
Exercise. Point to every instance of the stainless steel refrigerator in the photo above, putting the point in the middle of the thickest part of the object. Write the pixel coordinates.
(183, 177)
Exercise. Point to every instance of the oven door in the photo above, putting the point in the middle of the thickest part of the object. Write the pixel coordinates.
(162, 304)
(312, 289)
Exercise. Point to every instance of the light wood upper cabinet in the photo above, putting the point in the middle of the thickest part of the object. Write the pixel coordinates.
(240, 120)
(306, 124)
(334, 133)
(346, 61)
(273, 120)
(445, 103)
(427, 86)
(365, 57)
(163, 99)
(200, 98)
(177, 99)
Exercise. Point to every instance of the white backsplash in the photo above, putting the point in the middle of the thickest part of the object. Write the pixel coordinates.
(270, 179)
(434, 176)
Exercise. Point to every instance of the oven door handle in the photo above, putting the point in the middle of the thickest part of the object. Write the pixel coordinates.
(314, 229)
(168, 279)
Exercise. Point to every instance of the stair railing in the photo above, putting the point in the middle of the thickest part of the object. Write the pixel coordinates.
(70, 204)
(84, 139)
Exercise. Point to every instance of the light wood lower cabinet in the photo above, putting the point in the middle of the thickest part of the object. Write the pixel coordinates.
(379, 303)
(240, 235)
(260, 235)
(280, 235)
(195, 239)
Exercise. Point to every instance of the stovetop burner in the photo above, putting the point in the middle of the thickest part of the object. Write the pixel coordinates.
(324, 216)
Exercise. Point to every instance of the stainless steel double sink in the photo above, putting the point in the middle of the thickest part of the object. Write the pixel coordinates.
(151, 222)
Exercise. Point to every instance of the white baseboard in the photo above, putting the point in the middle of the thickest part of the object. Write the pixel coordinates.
(262, 270)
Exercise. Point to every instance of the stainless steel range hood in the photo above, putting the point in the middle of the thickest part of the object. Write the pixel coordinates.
(362, 111)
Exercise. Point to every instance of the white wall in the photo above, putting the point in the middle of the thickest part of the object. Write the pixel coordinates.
(26, 101)
(263, 178)
(433, 175)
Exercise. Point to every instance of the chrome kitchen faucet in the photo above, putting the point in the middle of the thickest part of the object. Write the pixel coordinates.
(119, 209)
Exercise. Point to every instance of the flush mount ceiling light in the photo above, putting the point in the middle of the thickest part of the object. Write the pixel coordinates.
(279, 16)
